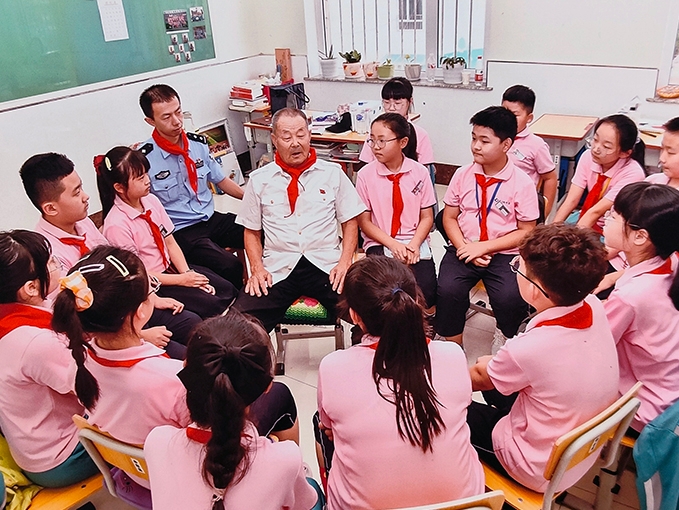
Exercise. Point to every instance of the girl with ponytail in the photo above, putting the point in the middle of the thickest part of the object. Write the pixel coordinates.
(643, 307)
(220, 460)
(37, 372)
(396, 403)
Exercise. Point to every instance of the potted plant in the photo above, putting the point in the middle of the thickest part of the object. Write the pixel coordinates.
(413, 69)
(385, 70)
(370, 70)
(328, 63)
(352, 64)
(452, 69)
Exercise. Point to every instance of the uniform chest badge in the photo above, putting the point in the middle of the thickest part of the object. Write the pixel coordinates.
(199, 163)
(322, 191)
(164, 174)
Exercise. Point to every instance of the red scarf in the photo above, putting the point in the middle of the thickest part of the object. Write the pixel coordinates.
(295, 172)
(594, 196)
(396, 203)
(157, 236)
(177, 150)
(116, 363)
(665, 269)
(79, 243)
(14, 315)
(374, 345)
(580, 318)
(484, 183)
(198, 435)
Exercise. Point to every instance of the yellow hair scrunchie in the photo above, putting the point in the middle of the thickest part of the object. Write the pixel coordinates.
(76, 283)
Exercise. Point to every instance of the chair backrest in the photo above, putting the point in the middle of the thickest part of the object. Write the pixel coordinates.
(106, 450)
(489, 501)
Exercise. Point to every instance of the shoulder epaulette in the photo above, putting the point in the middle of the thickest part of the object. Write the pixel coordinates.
(146, 148)
(196, 137)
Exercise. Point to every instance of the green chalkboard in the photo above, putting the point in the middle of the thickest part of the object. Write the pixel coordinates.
(51, 45)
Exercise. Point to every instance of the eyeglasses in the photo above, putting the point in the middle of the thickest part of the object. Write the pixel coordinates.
(53, 264)
(514, 266)
(154, 285)
(379, 144)
(605, 149)
(394, 104)
(608, 216)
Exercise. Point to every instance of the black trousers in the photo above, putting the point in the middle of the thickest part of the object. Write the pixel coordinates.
(203, 244)
(274, 410)
(180, 325)
(304, 280)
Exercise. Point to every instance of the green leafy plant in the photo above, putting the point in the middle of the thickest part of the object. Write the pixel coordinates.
(387, 62)
(329, 55)
(351, 57)
(449, 62)
(409, 58)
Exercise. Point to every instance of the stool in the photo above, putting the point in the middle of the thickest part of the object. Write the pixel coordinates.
(305, 311)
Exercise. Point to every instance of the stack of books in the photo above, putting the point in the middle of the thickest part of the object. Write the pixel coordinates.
(248, 94)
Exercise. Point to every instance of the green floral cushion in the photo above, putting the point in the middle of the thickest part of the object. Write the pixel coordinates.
(306, 309)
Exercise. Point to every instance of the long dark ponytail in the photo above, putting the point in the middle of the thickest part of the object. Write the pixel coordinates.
(383, 292)
(116, 167)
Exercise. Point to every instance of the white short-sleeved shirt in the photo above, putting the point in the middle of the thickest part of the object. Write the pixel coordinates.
(67, 254)
(425, 152)
(376, 190)
(530, 153)
(373, 467)
(514, 199)
(624, 172)
(37, 399)
(326, 197)
(123, 227)
(275, 479)
(645, 326)
(564, 377)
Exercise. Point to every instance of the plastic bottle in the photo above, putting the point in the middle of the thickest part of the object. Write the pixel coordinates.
(431, 68)
(478, 71)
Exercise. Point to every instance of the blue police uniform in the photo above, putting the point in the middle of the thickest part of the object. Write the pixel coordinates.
(201, 232)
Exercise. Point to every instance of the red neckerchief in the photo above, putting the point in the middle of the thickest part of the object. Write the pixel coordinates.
(115, 363)
(396, 203)
(14, 315)
(177, 150)
(594, 195)
(580, 318)
(198, 435)
(373, 346)
(484, 183)
(295, 172)
(665, 269)
(80, 243)
(157, 236)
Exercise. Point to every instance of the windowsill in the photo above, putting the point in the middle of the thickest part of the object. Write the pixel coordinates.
(657, 99)
(420, 83)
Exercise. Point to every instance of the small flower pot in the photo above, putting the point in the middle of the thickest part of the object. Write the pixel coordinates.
(370, 70)
(353, 70)
(329, 68)
(385, 71)
(453, 76)
(413, 71)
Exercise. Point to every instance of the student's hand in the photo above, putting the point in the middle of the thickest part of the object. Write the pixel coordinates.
(166, 303)
(399, 251)
(208, 288)
(470, 251)
(482, 261)
(413, 255)
(337, 275)
(158, 336)
(608, 281)
(193, 279)
(327, 431)
(259, 282)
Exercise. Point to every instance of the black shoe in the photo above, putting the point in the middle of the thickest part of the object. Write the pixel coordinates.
(343, 126)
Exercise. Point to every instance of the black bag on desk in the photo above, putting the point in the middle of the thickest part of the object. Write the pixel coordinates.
(287, 96)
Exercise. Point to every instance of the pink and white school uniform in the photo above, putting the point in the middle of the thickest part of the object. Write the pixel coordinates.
(375, 189)
(530, 153)
(564, 367)
(624, 172)
(69, 248)
(373, 467)
(275, 479)
(425, 152)
(37, 396)
(645, 326)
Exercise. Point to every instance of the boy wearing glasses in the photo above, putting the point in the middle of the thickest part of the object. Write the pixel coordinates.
(560, 372)
(490, 206)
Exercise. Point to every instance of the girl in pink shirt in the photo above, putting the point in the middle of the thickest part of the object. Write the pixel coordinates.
(37, 373)
(220, 461)
(615, 158)
(136, 220)
(395, 404)
(400, 199)
(643, 309)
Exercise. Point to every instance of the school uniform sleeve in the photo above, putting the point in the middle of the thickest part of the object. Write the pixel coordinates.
(302, 496)
(506, 373)
(178, 412)
(526, 198)
(620, 315)
(250, 214)
(48, 361)
(543, 161)
(348, 204)
(323, 416)
(631, 172)
(428, 195)
(452, 196)
(583, 170)
(362, 189)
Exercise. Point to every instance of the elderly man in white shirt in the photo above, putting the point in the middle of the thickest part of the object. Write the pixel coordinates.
(297, 201)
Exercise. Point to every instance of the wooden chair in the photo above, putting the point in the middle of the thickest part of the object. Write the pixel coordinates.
(65, 498)
(490, 500)
(107, 451)
(608, 427)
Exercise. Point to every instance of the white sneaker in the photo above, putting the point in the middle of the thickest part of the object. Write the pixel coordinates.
(498, 341)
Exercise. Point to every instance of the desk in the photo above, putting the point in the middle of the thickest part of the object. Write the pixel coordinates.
(260, 110)
(563, 133)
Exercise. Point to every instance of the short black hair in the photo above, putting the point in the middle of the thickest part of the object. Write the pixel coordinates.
(159, 93)
(672, 125)
(520, 94)
(398, 88)
(41, 176)
(499, 119)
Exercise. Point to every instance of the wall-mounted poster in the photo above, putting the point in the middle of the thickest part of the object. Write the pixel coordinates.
(197, 13)
(176, 19)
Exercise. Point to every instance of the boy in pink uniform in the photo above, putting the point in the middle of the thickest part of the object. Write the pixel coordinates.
(560, 372)
(669, 156)
(529, 152)
(643, 308)
(490, 206)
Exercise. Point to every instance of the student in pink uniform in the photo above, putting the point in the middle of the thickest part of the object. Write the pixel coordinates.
(37, 373)
(643, 308)
(560, 372)
(490, 206)
(400, 200)
(220, 461)
(395, 403)
(615, 158)
(669, 156)
(529, 152)
(136, 220)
